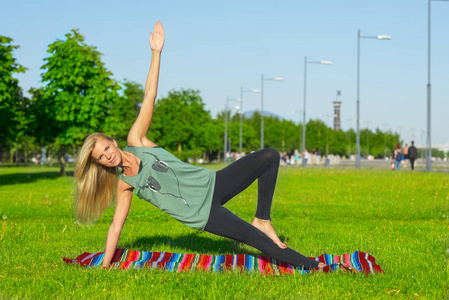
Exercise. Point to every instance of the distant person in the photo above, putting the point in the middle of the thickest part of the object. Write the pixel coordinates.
(397, 156)
(297, 156)
(193, 195)
(313, 156)
(412, 155)
(292, 157)
(305, 157)
(405, 155)
(44, 156)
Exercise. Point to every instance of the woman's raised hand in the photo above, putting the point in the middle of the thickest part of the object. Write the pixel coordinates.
(157, 38)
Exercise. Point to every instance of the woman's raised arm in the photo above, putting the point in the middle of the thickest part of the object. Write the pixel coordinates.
(138, 132)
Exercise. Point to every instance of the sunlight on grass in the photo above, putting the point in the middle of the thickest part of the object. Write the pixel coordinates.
(401, 218)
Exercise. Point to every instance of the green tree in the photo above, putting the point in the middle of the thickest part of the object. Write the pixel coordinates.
(349, 142)
(179, 123)
(337, 142)
(21, 125)
(212, 141)
(317, 136)
(435, 153)
(77, 94)
(254, 122)
(9, 89)
(250, 142)
(250, 137)
(125, 110)
(282, 135)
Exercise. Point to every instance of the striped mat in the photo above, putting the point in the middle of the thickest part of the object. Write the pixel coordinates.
(179, 262)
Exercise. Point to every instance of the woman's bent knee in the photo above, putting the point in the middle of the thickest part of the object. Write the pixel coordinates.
(271, 153)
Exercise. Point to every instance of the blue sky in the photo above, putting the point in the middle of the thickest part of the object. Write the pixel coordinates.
(219, 46)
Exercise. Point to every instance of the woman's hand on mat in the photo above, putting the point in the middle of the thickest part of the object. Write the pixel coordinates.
(321, 266)
(157, 38)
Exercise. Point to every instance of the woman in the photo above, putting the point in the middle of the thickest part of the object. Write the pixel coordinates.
(405, 155)
(193, 195)
(397, 155)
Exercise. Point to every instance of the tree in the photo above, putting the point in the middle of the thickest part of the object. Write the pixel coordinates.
(22, 125)
(78, 92)
(250, 141)
(179, 123)
(125, 110)
(338, 142)
(317, 135)
(212, 141)
(280, 135)
(9, 89)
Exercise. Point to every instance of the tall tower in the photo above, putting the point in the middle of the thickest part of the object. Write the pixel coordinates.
(337, 105)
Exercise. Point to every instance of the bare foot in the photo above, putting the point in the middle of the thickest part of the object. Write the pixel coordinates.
(265, 227)
(321, 266)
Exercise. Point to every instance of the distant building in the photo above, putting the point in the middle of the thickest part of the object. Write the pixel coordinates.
(337, 120)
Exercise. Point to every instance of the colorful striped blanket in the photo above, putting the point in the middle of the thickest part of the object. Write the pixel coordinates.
(179, 262)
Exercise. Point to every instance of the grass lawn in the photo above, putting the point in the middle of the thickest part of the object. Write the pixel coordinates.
(401, 218)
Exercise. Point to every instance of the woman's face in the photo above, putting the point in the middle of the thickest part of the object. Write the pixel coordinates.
(106, 153)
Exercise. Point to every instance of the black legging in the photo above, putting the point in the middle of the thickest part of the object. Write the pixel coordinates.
(412, 163)
(232, 180)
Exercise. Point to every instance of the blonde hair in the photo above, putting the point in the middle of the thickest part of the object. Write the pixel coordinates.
(96, 185)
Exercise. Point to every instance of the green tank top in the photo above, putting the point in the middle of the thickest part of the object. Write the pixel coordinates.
(182, 190)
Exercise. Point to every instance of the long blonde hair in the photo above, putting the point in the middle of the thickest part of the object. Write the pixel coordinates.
(96, 185)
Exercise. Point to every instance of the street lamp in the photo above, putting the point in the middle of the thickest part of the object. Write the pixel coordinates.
(379, 37)
(241, 112)
(428, 142)
(261, 107)
(323, 62)
(226, 128)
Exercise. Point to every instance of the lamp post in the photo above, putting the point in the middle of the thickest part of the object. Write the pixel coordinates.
(226, 128)
(379, 37)
(261, 107)
(241, 112)
(323, 62)
(428, 142)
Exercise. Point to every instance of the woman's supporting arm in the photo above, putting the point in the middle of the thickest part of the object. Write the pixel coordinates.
(138, 132)
(124, 197)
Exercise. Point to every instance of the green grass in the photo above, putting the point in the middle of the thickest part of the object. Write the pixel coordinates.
(401, 218)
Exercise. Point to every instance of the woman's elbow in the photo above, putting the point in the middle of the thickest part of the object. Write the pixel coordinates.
(150, 96)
